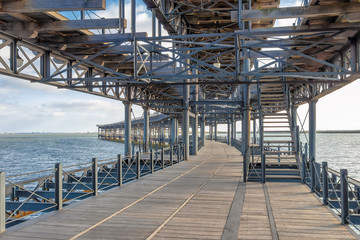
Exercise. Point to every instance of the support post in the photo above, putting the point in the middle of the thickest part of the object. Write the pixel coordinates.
(202, 128)
(94, 176)
(195, 133)
(173, 132)
(2, 202)
(151, 161)
(312, 141)
(58, 186)
(171, 155)
(162, 158)
(246, 121)
(146, 128)
(185, 123)
(325, 184)
(228, 131)
(254, 129)
(215, 130)
(119, 170)
(303, 169)
(178, 153)
(127, 128)
(138, 166)
(133, 17)
(344, 197)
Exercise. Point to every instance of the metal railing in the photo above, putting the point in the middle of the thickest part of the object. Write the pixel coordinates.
(334, 189)
(58, 187)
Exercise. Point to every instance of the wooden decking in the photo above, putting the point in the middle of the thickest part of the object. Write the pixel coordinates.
(200, 199)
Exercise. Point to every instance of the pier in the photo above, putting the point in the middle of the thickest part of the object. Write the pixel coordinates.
(204, 198)
(220, 63)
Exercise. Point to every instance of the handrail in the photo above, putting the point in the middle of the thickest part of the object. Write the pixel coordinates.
(64, 185)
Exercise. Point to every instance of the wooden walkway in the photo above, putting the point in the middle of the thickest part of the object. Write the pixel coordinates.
(200, 199)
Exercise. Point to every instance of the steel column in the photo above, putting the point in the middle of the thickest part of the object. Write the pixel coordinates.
(127, 128)
(228, 131)
(133, 17)
(173, 132)
(312, 141)
(185, 123)
(215, 130)
(254, 130)
(146, 127)
(195, 133)
(246, 122)
(202, 128)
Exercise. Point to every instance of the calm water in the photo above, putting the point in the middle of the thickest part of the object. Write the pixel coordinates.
(23, 153)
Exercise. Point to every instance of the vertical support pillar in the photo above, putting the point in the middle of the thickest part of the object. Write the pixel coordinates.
(228, 131)
(162, 158)
(344, 197)
(325, 184)
(138, 166)
(2, 202)
(94, 176)
(303, 169)
(254, 129)
(202, 128)
(171, 156)
(151, 161)
(58, 186)
(354, 55)
(119, 170)
(312, 141)
(246, 122)
(174, 132)
(146, 139)
(133, 17)
(215, 130)
(232, 128)
(185, 123)
(211, 132)
(195, 133)
(127, 128)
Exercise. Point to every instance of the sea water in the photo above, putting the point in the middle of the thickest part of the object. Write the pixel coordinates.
(24, 153)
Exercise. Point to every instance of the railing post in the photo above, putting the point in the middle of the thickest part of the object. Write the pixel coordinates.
(344, 196)
(303, 169)
(312, 174)
(94, 176)
(162, 158)
(151, 161)
(2, 202)
(325, 184)
(171, 155)
(119, 170)
(178, 153)
(357, 196)
(58, 186)
(138, 169)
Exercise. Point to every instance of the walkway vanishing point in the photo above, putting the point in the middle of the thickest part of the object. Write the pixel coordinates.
(203, 198)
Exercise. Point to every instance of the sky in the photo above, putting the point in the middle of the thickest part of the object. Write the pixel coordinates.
(34, 107)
